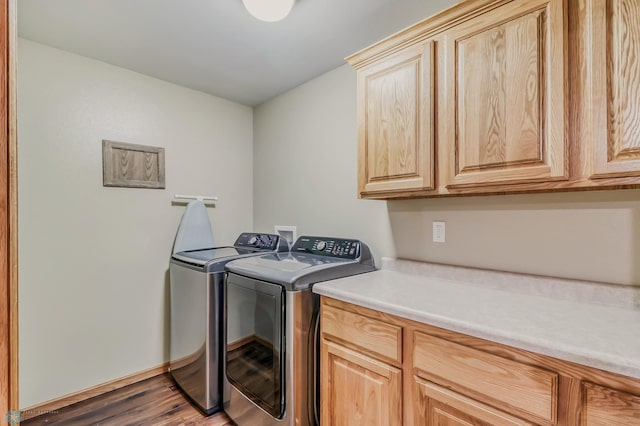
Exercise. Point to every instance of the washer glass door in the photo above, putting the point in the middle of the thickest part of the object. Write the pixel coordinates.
(254, 343)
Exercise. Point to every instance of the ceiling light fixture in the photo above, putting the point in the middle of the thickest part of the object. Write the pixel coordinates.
(269, 10)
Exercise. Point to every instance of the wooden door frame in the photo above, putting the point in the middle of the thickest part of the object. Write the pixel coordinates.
(8, 212)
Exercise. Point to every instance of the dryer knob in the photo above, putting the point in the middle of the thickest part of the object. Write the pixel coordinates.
(253, 240)
(321, 245)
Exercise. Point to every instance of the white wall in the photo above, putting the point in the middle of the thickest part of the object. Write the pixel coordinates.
(305, 174)
(93, 260)
(305, 164)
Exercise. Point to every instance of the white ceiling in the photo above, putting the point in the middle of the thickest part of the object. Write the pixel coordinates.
(215, 46)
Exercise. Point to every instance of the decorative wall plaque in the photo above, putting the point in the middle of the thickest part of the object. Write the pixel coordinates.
(132, 166)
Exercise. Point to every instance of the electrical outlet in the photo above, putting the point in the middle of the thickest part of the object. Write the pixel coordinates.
(438, 232)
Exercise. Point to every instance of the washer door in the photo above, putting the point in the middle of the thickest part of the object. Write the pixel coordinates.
(255, 341)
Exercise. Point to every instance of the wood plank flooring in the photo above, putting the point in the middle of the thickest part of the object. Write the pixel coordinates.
(154, 402)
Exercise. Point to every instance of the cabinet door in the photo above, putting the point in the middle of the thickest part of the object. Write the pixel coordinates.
(492, 378)
(504, 91)
(607, 407)
(358, 390)
(615, 59)
(438, 406)
(395, 122)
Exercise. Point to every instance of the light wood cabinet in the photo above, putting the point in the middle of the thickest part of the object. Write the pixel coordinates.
(518, 387)
(614, 89)
(419, 375)
(357, 389)
(498, 96)
(377, 338)
(504, 92)
(361, 378)
(395, 122)
(607, 407)
(438, 406)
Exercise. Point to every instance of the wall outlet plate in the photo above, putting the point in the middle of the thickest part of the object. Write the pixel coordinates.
(438, 231)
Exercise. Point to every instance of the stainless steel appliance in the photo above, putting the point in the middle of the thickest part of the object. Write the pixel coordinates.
(196, 287)
(271, 339)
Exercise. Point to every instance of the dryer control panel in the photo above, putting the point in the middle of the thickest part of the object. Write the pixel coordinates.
(334, 247)
(258, 241)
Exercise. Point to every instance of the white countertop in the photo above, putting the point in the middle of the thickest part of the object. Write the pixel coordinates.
(593, 324)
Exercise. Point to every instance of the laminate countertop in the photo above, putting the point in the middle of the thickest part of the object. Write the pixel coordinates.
(594, 324)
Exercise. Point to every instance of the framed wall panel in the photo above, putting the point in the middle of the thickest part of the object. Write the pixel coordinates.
(132, 166)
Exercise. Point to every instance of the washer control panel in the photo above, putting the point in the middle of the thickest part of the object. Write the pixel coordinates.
(257, 241)
(335, 247)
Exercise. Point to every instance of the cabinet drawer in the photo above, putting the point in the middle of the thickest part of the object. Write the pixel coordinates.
(441, 406)
(608, 407)
(377, 337)
(530, 389)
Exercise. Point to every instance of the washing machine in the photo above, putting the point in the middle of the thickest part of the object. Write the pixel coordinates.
(271, 329)
(196, 323)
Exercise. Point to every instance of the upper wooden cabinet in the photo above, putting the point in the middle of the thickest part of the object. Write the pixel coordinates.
(495, 96)
(504, 94)
(615, 86)
(395, 129)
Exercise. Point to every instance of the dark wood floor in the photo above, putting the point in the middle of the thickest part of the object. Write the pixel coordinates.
(155, 401)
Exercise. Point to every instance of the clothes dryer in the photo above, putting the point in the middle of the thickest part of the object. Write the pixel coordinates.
(271, 329)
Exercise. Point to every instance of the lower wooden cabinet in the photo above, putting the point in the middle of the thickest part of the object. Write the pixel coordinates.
(358, 390)
(379, 369)
(515, 386)
(607, 407)
(436, 405)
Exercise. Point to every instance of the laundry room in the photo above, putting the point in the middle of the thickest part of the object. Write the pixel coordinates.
(92, 280)
(110, 302)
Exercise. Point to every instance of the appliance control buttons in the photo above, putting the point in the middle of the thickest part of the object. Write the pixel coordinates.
(321, 245)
